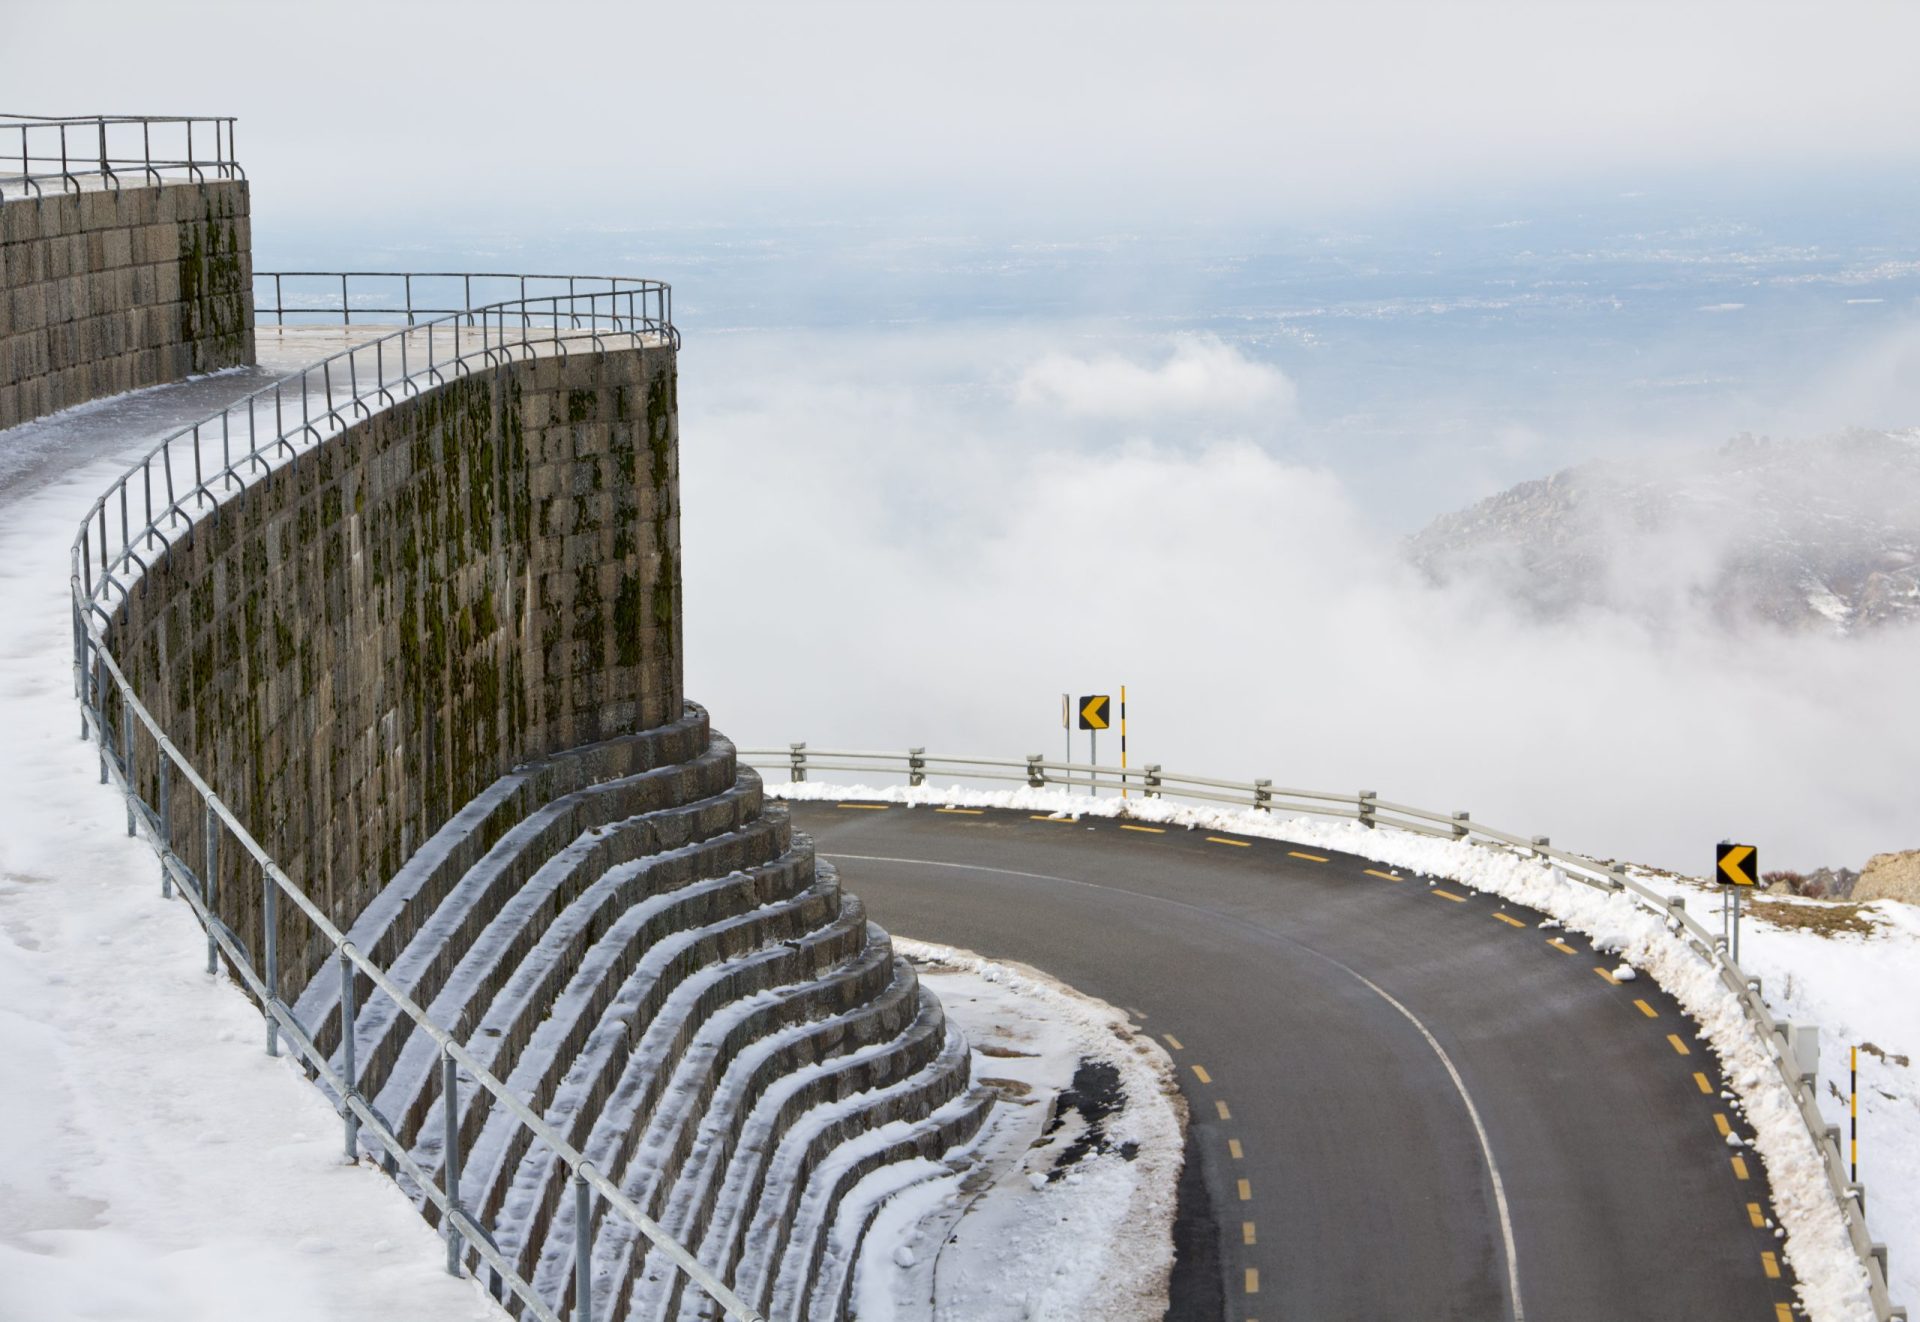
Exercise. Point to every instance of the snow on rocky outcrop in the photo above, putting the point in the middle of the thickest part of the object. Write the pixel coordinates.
(1803, 536)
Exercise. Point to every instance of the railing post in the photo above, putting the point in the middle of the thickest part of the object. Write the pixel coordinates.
(582, 1250)
(348, 1073)
(1263, 796)
(797, 757)
(916, 766)
(1540, 845)
(1036, 774)
(1152, 788)
(210, 885)
(1368, 801)
(270, 941)
(166, 828)
(126, 753)
(1617, 876)
(1460, 828)
(450, 1128)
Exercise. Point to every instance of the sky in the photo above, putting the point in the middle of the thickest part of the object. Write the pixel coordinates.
(1045, 347)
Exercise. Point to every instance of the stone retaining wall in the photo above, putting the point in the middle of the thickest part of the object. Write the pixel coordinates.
(359, 644)
(110, 290)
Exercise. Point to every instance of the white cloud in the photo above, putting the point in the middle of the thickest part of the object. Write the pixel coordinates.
(1200, 376)
(897, 559)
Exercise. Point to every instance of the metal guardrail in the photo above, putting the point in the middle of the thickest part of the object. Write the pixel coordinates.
(183, 480)
(36, 150)
(1367, 808)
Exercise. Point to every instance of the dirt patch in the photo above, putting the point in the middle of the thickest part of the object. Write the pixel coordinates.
(1004, 1053)
(1824, 918)
(1096, 1094)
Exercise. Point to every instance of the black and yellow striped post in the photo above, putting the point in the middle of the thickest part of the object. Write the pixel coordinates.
(1123, 741)
(1853, 1114)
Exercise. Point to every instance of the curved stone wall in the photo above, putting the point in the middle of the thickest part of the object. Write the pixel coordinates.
(366, 638)
(433, 664)
(110, 289)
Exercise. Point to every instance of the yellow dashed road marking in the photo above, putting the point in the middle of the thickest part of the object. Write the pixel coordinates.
(1150, 830)
(1739, 1168)
(1246, 1191)
(1509, 920)
(968, 812)
(1384, 876)
(1782, 1313)
(1449, 895)
(1678, 1045)
(1222, 840)
(1200, 1073)
(1233, 1149)
(1246, 1233)
(1173, 1041)
(868, 807)
(1253, 1280)
(1647, 1010)
(1720, 1123)
(1755, 1215)
(1221, 1107)
(1770, 1265)
(1701, 1082)
(1311, 858)
(1042, 817)
(1611, 980)
(1561, 946)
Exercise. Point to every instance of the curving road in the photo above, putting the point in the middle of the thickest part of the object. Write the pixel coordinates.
(1407, 1101)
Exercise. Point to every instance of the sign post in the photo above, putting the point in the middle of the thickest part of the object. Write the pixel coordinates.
(1123, 742)
(1093, 719)
(1735, 867)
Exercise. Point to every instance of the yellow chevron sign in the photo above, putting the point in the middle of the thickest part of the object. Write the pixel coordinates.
(1737, 865)
(1093, 711)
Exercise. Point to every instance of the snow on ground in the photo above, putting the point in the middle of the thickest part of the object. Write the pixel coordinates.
(155, 1163)
(1853, 992)
(1067, 1219)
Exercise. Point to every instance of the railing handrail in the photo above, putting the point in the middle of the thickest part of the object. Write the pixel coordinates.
(46, 141)
(96, 670)
(1372, 811)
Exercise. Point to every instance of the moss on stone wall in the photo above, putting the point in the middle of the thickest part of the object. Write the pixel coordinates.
(359, 643)
(215, 280)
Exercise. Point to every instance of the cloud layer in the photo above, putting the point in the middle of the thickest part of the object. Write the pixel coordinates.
(892, 542)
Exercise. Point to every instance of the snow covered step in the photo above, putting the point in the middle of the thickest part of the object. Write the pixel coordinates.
(486, 970)
(677, 763)
(492, 885)
(770, 1088)
(832, 1146)
(696, 1094)
(600, 1104)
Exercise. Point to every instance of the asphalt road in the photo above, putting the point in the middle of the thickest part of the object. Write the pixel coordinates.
(1408, 1102)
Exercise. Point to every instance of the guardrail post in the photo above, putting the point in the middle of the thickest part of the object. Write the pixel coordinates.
(1036, 774)
(1617, 876)
(1151, 790)
(270, 941)
(450, 1128)
(1541, 844)
(1460, 828)
(1858, 1192)
(1368, 802)
(916, 766)
(582, 1250)
(1263, 796)
(1879, 1253)
(347, 1071)
(797, 753)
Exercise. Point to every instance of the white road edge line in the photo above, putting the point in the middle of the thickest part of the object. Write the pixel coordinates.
(1459, 1084)
(1486, 1148)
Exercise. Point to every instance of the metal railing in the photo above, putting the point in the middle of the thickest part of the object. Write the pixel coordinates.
(1369, 810)
(307, 298)
(36, 150)
(133, 526)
